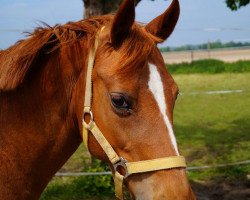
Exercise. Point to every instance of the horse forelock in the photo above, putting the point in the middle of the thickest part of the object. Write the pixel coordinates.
(134, 51)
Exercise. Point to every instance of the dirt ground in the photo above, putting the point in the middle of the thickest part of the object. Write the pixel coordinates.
(226, 55)
(219, 190)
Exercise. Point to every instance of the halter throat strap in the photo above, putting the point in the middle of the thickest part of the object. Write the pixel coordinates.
(114, 158)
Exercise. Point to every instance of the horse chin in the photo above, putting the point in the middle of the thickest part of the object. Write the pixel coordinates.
(141, 188)
(162, 185)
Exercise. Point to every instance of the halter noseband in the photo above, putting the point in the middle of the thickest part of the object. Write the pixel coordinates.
(117, 161)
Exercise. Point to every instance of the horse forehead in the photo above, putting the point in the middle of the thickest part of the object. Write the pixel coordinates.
(134, 74)
(118, 73)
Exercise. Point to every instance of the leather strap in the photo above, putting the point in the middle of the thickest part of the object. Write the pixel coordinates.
(145, 166)
(118, 181)
(88, 90)
(155, 164)
(107, 148)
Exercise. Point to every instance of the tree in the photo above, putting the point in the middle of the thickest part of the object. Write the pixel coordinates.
(236, 4)
(100, 7)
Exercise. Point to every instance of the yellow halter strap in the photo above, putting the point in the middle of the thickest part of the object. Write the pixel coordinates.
(117, 161)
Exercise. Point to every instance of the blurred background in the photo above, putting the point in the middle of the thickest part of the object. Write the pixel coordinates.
(208, 55)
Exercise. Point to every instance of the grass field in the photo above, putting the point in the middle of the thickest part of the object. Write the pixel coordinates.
(210, 129)
(213, 129)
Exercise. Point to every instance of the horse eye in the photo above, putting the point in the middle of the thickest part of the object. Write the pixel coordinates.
(121, 103)
(118, 102)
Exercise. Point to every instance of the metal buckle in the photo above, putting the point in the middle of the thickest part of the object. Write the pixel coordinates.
(85, 113)
(121, 163)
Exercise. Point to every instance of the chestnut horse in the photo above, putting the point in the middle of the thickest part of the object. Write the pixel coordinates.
(42, 86)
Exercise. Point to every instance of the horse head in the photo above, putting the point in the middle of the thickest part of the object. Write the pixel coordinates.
(133, 100)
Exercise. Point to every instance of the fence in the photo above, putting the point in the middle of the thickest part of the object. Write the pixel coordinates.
(193, 168)
(225, 54)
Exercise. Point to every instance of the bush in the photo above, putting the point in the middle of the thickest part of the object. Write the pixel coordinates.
(209, 66)
(84, 187)
(92, 185)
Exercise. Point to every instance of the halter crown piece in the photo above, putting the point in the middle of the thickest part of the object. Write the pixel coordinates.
(116, 160)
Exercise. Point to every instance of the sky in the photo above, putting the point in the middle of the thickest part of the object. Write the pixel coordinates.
(200, 20)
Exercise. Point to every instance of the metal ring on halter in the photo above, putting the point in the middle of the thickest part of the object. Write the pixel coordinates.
(87, 124)
(122, 163)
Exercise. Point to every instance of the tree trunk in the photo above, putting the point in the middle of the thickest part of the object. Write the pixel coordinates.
(101, 7)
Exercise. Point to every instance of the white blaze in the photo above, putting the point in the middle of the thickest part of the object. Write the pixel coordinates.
(156, 87)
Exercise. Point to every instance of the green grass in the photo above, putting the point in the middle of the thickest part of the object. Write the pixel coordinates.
(214, 129)
(218, 128)
(210, 129)
(210, 66)
(212, 82)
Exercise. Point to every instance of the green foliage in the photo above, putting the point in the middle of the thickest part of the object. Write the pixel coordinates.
(209, 66)
(84, 187)
(236, 4)
(94, 184)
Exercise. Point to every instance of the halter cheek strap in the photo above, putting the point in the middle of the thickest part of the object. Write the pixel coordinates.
(117, 161)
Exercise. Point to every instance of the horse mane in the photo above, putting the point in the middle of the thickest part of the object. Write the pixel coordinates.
(18, 60)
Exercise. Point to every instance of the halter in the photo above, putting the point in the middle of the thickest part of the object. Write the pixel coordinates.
(116, 160)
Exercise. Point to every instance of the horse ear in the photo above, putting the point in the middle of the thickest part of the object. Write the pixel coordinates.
(123, 21)
(163, 25)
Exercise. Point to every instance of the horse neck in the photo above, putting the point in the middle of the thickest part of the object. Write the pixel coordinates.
(38, 129)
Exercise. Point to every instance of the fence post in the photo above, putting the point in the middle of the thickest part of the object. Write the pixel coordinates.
(192, 56)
